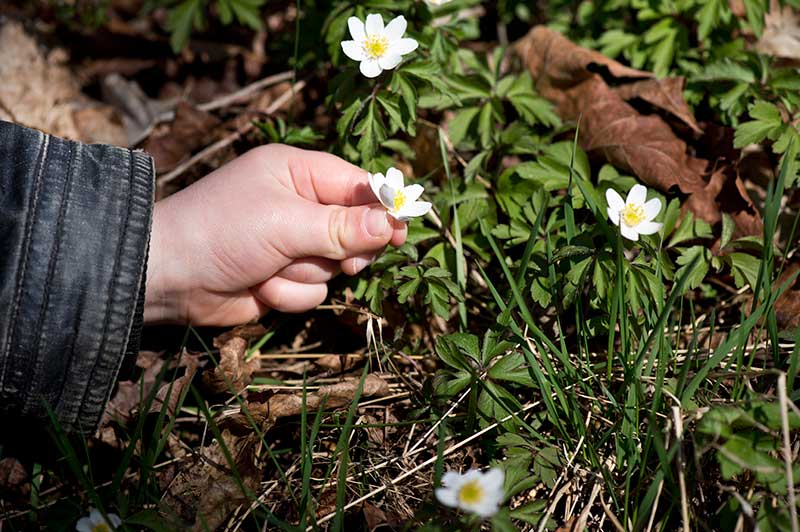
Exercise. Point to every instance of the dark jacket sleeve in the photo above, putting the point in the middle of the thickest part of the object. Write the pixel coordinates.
(74, 234)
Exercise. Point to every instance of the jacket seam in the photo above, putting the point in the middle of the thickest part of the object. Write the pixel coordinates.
(43, 153)
(51, 267)
(109, 300)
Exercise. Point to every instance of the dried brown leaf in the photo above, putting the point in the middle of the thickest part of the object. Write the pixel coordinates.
(781, 36)
(283, 405)
(645, 145)
(665, 94)
(642, 144)
(189, 131)
(787, 307)
(205, 491)
(14, 480)
(250, 331)
(40, 91)
(233, 373)
(337, 362)
(171, 392)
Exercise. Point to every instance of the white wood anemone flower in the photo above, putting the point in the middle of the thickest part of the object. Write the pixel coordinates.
(376, 47)
(634, 215)
(97, 523)
(474, 491)
(400, 201)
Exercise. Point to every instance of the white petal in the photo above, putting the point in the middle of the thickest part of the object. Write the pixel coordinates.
(402, 46)
(451, 478)
(629, 232)
(96, 517)
(357, 31)
(648, 228)
(387, 196)
(84, 524)
(370, 68)
(374, 24)
(613, 215)
(419, 208)
(447, 496)
(353, 50)
(485, 508)
(376, 181)
(389, 61)
(493, 480)
(395, 28)
(115, 520)
(614, 200)
(636, 196)
(651, 209)
(472, 474)
(413, 192)
(394, 178)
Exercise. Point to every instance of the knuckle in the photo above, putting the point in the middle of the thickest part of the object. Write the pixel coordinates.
(337, 232)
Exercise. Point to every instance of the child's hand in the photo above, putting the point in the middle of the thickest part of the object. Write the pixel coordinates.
(268, 230)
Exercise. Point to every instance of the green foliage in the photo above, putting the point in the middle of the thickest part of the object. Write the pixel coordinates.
(186, 16)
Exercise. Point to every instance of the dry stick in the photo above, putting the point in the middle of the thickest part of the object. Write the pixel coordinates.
(787, 449)
(676, 414)
(441, 419)
(428, 462)
(230, 139)
(611, 516)
(552, 506)
(584, 515)
(245, 92)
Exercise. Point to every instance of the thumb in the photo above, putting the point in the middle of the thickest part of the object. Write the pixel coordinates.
(337, 232)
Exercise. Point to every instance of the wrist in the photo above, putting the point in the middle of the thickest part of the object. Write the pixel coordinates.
(161, 304)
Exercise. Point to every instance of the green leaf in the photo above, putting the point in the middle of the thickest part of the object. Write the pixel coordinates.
(392, 108)
(459, 126)
(728, 225)
(725, 70)
(184, 17)
(372, 133)
(700, 269)
(745, 268)
(453, 348)
(485, 125)
(766, 123)
(709, 16)
(690, 229)
(348, 115)
(512, 367)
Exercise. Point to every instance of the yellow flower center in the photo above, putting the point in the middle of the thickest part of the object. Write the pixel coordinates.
(102, 527)
(399, 200)
(375, 46)
(632, 215)
(470, 493)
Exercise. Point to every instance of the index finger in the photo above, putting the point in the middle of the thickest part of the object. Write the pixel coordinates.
(328, 179)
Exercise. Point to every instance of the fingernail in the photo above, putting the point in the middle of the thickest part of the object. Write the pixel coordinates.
(359, 264)
(376, 221)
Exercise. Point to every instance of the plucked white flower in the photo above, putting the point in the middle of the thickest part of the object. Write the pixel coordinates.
(399, 200)
(96, 523)
(376, 47)
(436, 2)
(474, 491)
(634, 215)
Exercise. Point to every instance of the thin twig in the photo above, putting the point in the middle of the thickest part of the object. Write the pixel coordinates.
(245, 92)
(229, 139)
(676, 414)
(787, 449)
(426, 463)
